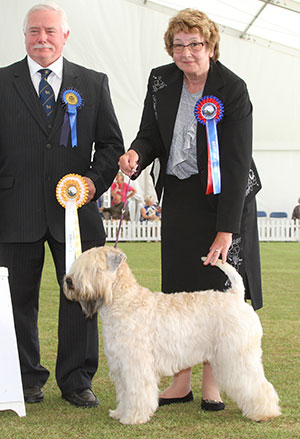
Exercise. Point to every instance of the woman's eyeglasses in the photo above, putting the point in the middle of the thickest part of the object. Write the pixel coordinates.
(193, 47)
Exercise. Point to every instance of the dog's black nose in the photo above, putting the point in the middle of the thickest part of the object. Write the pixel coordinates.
(69, 283)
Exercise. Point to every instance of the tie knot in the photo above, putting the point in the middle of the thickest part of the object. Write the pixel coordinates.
(45, 73)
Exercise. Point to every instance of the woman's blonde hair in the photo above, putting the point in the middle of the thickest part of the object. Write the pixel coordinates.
(193, 20)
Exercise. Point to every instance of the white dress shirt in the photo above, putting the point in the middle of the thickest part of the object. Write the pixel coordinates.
(54, 79)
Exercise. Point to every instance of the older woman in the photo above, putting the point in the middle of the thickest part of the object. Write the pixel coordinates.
(214, 181)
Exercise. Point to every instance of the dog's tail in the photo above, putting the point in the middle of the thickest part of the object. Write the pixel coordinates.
(235, 278)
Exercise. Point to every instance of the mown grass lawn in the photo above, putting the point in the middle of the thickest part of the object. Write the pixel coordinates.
(55, 418)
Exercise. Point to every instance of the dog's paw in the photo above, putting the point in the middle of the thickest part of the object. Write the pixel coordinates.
(114, 414)
(128, 420)
(266, 416)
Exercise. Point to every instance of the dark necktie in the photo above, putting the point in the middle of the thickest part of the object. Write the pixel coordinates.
(46, 92)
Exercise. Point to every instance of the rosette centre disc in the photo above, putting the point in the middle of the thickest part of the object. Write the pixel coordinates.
(209, 110)
(72, 191)
(71, 98)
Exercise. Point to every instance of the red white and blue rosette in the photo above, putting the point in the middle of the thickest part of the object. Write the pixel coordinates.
(72, 101)
(209, 111)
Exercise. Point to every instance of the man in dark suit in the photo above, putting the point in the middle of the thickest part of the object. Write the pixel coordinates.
(32, 161)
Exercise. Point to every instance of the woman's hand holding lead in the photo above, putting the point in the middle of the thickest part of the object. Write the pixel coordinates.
(128, 162)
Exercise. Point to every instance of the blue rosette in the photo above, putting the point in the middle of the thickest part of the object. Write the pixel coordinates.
(72, 101)
(209, 111)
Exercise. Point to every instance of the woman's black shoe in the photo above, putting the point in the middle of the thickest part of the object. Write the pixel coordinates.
(213, 406)
(167, 401)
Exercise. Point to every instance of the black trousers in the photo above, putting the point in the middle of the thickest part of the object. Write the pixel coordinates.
(77, 357)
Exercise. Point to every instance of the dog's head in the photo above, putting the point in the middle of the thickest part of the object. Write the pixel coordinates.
(91, 277)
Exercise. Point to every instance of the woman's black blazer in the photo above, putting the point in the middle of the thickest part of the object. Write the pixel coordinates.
(239, 179)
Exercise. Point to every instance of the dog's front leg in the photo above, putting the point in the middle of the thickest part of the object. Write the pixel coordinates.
(116, 414)
(136, 388)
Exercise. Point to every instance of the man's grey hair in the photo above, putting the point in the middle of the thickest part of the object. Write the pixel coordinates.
(50, 6)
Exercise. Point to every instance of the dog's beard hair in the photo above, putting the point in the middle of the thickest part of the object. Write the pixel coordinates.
(92, 279)
(83, 290)
(90, 307)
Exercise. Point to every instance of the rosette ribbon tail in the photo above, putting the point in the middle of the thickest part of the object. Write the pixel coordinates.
(209, 111)
(213, 171)
(73, 241)
(72, 117)
(72, 193)
(65, 130)
(69, 123)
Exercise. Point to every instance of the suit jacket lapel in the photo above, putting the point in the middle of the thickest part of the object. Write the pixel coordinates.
(168, 99)
(69, 81)
(214, 81)
(28, 94)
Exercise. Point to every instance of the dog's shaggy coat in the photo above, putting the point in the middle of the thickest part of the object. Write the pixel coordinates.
(148, 335)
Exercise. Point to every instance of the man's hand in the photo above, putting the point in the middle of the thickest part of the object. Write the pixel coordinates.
(91, 188)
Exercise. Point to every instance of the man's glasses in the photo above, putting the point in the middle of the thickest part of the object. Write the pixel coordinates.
(193, 47)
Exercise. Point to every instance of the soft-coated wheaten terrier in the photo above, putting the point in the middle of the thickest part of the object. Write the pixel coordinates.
(148, 335)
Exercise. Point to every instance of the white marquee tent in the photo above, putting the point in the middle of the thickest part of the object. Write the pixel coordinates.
(260, 41)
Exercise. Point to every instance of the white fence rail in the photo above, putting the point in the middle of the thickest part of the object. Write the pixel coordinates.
(269, 229)
(278, 229)
(132, 230)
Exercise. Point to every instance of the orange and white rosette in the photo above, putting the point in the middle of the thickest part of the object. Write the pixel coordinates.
(72, 193)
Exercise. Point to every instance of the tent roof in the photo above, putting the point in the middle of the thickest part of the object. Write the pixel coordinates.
(277, 22)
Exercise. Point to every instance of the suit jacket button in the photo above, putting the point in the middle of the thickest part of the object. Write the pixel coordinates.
(48, 146)
(202, 171)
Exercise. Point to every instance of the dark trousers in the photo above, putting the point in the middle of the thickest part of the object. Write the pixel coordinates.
(77, 358)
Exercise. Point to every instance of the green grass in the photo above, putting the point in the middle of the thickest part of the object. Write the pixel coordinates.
(57, 419)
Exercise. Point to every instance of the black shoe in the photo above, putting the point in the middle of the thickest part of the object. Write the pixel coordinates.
(33, 394)
(82, 398)
(213, 406)
(167, 401)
